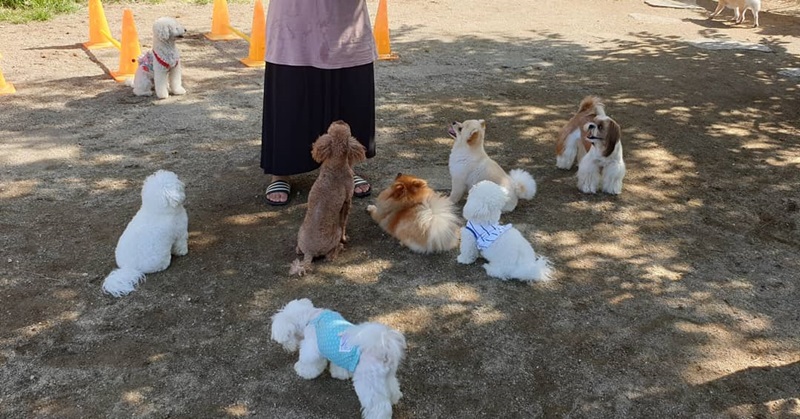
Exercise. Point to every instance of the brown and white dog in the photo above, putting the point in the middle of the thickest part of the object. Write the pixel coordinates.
(572, 141)
(602, 166)
(412, 212)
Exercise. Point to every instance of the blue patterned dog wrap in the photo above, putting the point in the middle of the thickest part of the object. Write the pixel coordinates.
(330, 326)
(486, 234)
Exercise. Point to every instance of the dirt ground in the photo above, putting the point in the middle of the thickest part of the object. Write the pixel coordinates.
(678, 298)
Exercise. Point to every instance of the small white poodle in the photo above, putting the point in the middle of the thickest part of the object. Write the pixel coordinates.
(161, 66)
(158, 231)
(369, 353)
(510, 256)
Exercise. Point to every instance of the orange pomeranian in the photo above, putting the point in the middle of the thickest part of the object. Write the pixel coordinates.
(412, 212)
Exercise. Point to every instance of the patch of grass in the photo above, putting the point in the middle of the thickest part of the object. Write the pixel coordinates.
(21, 11)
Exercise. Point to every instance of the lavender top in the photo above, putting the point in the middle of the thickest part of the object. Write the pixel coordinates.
(327, 34)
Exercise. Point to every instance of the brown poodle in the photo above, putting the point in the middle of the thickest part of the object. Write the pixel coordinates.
(323, 229)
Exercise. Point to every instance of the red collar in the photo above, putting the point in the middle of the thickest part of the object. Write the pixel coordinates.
(162, 62)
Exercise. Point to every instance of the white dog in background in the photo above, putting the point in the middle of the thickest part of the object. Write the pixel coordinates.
(157, 231)
(469, 164)
(739, 7)
(161, 66)
(369, 353)
(510, 256)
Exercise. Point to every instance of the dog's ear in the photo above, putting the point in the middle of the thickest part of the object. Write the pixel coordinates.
(474, 138)
(322, 148)
(161, 30)
(174, 195)
(355, 151)
(613, 135)
(398, 190)
(417, 184)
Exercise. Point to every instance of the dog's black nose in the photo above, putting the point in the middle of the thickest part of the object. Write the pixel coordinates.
(592, 126)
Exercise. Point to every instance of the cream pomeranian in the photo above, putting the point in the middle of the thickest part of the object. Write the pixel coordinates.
(469, 164)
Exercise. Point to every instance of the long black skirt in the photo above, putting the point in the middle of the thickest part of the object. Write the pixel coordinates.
(299, 105)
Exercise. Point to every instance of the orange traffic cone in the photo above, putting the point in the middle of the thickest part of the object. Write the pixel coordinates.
(381, 33)
(5, 88)
(129, 50)
(97, 25)
(220, 23)
(258, 37)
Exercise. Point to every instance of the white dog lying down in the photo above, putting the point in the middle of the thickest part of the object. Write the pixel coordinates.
(161, 66)
(510, 256)
(369, 352)
(157, 231)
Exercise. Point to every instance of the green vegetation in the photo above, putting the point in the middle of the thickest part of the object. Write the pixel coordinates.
(21, 11)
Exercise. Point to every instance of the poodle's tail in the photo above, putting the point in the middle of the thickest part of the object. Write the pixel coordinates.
(537, 270)
(378, 341)
(523, 183)
(438, 219)
(301, 267)
(122, 281)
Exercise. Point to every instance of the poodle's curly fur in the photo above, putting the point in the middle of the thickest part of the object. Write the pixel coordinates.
(158, 231)
(510, 255)
(380, 348)
(161, 66)
(323, 230)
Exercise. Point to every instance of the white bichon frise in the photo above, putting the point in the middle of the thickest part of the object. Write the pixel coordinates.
(510, 256)
(161, 66)
(369, 353)
(158, 231)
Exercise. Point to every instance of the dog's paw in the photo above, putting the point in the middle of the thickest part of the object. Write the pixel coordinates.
(464, 260)
(179, 91)
(371, 208)
(181, 251)
(162, 94)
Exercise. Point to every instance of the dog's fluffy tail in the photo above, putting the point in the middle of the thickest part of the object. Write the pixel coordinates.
(592, 102)
(378, 341)
(122, 281)
(536, 270)
(523, 183)
(438, 219)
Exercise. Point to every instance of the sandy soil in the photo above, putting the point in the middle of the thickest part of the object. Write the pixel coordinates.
(676, 299)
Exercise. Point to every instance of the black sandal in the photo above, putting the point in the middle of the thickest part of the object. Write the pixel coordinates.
(279, 186)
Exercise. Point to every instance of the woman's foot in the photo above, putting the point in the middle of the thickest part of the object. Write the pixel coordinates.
(278, 191)
(361, 187)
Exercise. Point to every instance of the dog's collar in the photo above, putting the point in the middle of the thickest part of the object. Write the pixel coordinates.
(162, 62)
